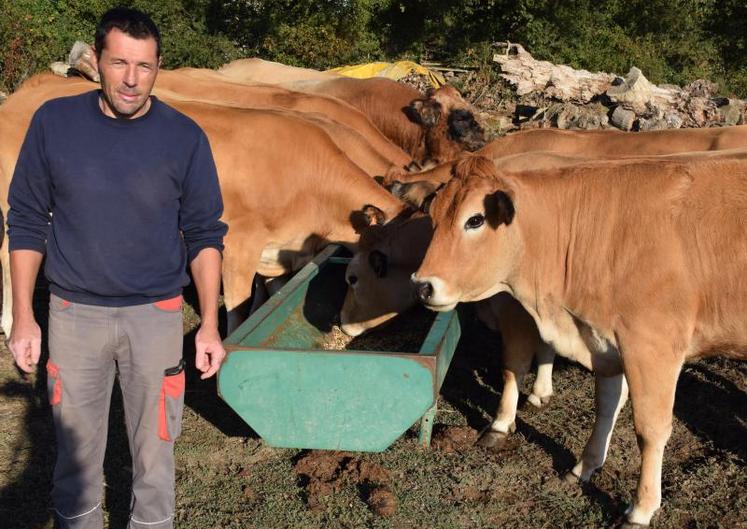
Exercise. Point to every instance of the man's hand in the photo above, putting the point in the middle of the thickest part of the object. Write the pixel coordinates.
(25, 343)
(209, 352)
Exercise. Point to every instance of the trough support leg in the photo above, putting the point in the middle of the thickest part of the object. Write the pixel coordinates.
(426, 426)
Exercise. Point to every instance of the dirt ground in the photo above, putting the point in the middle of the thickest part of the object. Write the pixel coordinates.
(228, 478)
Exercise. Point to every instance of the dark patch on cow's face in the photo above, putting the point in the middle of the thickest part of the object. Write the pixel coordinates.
(464, 128)
(368, 216)
(425, 112)
(374, 215)
(396, 188)
(499, 209)
(379, 263)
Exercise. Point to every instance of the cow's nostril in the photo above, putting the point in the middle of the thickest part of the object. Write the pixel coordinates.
(352, 280)
(424, 291)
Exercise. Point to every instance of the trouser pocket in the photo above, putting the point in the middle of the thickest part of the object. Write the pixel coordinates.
(171, 403)
(54, 383)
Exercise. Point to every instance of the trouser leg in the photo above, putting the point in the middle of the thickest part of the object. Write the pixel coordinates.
(152, 343)
(80, 379)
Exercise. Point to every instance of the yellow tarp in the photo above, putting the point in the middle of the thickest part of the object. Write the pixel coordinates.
(391, 70)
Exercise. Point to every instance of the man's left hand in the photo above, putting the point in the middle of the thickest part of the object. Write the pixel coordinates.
(209, 352)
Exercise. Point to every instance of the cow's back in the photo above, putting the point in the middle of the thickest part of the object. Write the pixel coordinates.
(602, 143)
(254, 70)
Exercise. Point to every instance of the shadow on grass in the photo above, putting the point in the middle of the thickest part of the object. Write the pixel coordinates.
(202, 395)
(473, 386)
(25, 502)
(713, 407)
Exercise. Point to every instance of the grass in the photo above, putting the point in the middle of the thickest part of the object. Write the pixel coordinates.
(228, 478)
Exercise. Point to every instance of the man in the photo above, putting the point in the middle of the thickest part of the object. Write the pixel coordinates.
(120, 191)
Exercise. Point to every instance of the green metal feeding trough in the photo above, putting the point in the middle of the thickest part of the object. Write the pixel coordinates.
(296, 394)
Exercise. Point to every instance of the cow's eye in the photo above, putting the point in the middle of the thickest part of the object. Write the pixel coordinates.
(475, 221)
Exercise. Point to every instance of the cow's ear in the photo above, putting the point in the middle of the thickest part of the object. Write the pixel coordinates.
(374, 215)
(368, 216)
(424, 112)
(499, 209)
(378, 262)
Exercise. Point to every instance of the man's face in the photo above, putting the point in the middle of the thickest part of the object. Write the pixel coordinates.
(128, 69)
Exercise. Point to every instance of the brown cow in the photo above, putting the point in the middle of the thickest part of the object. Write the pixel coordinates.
(378, 276)
(628, 267)
(434, 128)
(210, 86)
(261, 71)
(288, 189)
(584, 144)
(379, 289)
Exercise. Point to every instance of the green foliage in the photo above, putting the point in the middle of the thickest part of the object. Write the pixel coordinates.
(316, 34)
(34, 33)
(671, 41)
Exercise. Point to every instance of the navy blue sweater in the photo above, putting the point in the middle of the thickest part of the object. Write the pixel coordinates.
(119, 206)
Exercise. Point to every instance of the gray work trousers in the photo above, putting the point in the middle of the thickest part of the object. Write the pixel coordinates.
(88, 345)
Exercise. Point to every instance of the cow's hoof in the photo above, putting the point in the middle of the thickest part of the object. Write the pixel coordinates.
(492, 439)
(537, 401)
(570, 477)
(496, 441)
(621, 522)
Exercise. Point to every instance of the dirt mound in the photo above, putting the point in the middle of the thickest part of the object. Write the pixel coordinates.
(451, 439)
(325, 473)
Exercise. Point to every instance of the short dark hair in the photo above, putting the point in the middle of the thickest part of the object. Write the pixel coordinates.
(132, 22)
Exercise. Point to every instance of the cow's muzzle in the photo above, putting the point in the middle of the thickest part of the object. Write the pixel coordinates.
(423, 291)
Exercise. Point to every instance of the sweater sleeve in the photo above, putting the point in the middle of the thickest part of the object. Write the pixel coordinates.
(30, 193)
(201, 205)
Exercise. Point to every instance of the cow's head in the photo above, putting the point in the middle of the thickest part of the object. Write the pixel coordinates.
(475, 244)
(449, 123)
(378, 276)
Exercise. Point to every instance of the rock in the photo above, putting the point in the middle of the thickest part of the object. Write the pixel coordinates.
(60, 68)
(733, 113)
(83, 59)
(702, 88)
(623, 119)
(635, 92)
(587, 117)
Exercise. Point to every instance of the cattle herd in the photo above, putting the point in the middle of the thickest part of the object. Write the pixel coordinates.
(626, 252)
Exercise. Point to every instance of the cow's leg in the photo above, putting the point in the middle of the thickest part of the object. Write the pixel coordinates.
(265, 288)
(520, 340)
(610, 394)
(243, 248)
(652, 389)
(6, 321)
(260, 294)
(542, 388)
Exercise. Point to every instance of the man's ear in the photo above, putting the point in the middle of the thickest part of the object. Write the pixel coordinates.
(368, 216)
(499, 209)
(424, 112)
